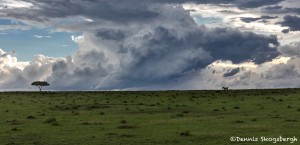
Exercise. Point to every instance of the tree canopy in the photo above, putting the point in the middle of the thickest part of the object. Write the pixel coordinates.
(40, 84)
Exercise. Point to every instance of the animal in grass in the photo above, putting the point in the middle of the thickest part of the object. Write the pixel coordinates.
(225, 88)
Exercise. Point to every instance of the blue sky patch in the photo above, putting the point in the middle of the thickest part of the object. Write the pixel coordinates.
(28, 43)
(207, 20)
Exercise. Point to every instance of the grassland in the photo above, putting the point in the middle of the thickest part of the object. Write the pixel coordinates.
(142, 118)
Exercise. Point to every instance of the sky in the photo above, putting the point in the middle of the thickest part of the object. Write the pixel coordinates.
(149, 44)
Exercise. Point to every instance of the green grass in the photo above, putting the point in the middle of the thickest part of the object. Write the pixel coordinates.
(142, 118)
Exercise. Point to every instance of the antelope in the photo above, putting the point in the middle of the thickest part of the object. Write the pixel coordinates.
(225, 88)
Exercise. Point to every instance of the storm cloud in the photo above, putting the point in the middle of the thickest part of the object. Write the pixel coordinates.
(281, 10)
(112, 10)
(292, 22)
(153, 43)
(250, 19)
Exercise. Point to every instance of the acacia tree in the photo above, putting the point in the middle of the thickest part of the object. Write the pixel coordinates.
(40, 84)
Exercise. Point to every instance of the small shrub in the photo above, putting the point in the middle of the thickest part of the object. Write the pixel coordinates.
(277, 116)
(185, 133)
(30, 117)
(110, 134)
(239, 121)
(185, 112)
(179, 115)
(123, 122)
(15, 129)
(291, 120)
(91, 123)
(224, 108)
(236, 107)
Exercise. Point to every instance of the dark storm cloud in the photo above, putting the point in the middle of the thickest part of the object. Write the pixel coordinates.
(256, 3)
(239, 3)
(249, 19)
(231, 44)
(293, 10)
(263, 18)
(285, 31)
(271, 8)
(110, 34)
(229, 12)
(112, 10)
(268, 17)
(280, 10)
(149, 42)
(162, 56)
(293, 22)
(231, 72)
(116, 11)
(168, 48)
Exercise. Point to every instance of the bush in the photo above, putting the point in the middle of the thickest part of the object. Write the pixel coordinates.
(237, 107)
(239, 121)
(30, 117)
(123, 122)
(15, 129)
(185, 133)
(185, 112)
